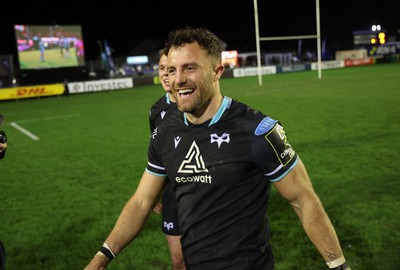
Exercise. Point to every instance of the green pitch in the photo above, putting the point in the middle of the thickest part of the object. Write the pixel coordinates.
(60, 195)
(52, 59)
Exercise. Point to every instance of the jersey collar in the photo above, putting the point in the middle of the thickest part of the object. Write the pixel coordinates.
(226, 103)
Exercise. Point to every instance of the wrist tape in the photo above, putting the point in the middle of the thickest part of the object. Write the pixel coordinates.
(106, 250)
(338, 264)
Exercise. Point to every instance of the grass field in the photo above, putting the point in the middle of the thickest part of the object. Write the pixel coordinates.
(52, 57)
(60, 195)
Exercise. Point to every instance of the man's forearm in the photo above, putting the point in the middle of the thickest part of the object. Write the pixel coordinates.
(129, 223)
(320, 230)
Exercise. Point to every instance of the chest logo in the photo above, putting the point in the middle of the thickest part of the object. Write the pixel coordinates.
(193, 162)
(219, 140)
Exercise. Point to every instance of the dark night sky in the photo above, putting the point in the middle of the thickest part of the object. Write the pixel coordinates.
(127, 23)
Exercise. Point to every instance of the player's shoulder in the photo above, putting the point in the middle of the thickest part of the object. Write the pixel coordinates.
(171, 122)
(173, 117)
(161, 102)
(241, 110)
(257, 120)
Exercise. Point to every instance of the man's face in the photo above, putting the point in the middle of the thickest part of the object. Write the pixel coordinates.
(191, 78)
(163, 72)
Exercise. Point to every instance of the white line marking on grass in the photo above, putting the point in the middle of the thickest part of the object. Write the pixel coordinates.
(43, 119)
(24, 131)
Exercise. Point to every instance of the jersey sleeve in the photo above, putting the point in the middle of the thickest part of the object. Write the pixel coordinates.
(151, 121)
(152, 118)
(272, 151)
(154, 163)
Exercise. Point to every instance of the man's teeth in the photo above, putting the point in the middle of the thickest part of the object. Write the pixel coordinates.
(185, 91)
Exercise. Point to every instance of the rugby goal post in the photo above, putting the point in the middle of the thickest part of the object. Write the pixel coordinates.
(259, 39)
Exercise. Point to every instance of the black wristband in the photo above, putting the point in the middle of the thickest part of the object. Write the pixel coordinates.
(341, 267)
(107, 253)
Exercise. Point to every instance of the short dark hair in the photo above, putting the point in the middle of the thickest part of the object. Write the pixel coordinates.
(206, 39)
(163, 51)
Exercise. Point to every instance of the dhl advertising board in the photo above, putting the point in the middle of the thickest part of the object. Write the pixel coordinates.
(32, 91)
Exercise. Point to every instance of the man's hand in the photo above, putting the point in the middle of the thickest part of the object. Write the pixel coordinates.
(158, 208)
(99, 262)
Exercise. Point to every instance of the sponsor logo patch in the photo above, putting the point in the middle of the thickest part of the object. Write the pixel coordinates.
(265, 125)
(278, 140)
(193, 162)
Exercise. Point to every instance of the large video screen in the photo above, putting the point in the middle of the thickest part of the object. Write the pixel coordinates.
(49, 46)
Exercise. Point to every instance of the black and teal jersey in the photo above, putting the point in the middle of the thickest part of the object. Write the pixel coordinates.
(159, 110)
(221, 172)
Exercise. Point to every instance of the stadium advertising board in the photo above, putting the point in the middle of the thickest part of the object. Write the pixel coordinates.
(293, 68)
(253, 71)
(351, 54)
(230, 58)
(358, 62)
(32, 91)
(328, 64)
(99, 85)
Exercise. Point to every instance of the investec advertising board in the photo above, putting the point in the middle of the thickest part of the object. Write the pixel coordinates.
(99, 85)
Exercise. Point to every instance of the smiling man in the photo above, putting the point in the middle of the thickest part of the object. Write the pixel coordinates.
(222, 158)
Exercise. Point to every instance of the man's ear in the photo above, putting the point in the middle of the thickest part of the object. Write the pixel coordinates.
(219, 70)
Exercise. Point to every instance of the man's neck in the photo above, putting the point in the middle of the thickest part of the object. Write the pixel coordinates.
(208, 113)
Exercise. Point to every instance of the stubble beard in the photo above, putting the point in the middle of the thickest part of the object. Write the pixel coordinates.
(200, 104)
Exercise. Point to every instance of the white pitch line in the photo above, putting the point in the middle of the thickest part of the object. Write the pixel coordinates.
(24, 131)
(43, 119)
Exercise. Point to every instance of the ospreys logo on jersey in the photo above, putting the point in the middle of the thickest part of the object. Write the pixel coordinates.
(194, 165)
(163, 114)
(168, 225)
(219, 140)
